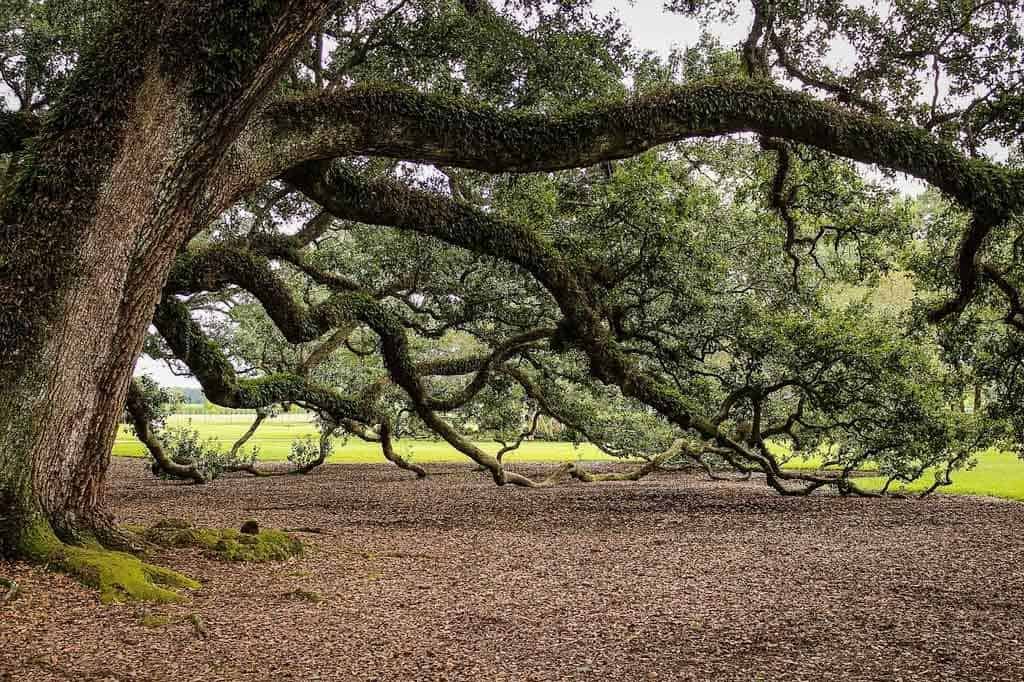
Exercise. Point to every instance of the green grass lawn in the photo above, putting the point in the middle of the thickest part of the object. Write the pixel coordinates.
(275, 436)
(999, 474)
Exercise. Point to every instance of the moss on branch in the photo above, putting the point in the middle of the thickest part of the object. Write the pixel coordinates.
(390, 121)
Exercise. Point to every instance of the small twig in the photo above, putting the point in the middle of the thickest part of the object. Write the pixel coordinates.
(306, 529)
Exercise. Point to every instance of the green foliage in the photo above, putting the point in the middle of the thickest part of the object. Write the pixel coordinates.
(185, 445)
(159, 401)
(304, 451)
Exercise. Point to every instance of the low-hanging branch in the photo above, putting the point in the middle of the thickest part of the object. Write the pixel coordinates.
(221, 383)
(142, 422)
(222, 386)
(323, 450)
(220, 265)
(653, 464)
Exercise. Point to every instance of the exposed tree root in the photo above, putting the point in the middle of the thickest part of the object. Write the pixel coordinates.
(123, 577)
(118, 576)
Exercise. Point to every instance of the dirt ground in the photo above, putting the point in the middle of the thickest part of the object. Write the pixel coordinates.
(452, 578)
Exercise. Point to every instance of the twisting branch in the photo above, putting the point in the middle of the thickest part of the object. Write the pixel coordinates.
(754, 58)
(843, 93)
(578, 472)
(387, 447)
(384, 202)
(483, 367)
(523, 435)
(142, 423)
(323, 450)
(221, 383)
(1015, 316)
(261, 416)
(416, 127)
(780, 199)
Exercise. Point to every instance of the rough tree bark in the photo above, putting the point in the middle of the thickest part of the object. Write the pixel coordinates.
(117, 179)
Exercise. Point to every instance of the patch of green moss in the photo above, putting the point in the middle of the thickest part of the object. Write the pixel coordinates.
(38, 542)
(118, 576)
(121, 577)
(180, 538)
(155, 620)
(226, 544)
(268, 545)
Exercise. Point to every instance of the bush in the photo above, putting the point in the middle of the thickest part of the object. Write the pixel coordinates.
(185, 446)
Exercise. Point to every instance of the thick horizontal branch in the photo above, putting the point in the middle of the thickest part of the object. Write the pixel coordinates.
(417, 127)
(405, 124)
(388, 202)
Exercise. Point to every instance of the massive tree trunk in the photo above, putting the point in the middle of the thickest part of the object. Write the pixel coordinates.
(89, 282)
(125, 169)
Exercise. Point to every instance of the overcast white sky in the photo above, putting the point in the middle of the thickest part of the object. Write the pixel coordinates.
(660, 31)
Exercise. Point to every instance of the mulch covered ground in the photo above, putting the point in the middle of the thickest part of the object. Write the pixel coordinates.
(452, 578)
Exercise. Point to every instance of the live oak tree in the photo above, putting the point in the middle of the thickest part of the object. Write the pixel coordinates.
(164, 158)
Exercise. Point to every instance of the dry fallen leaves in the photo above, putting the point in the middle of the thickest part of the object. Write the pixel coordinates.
(453, 578)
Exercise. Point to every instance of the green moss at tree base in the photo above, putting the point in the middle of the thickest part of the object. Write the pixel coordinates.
(37, 542)
(224, 544)
(122, 577)
(118, 576)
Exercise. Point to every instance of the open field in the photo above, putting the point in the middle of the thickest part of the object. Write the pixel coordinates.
(275, 436)
(453, 578)
(998, 473)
